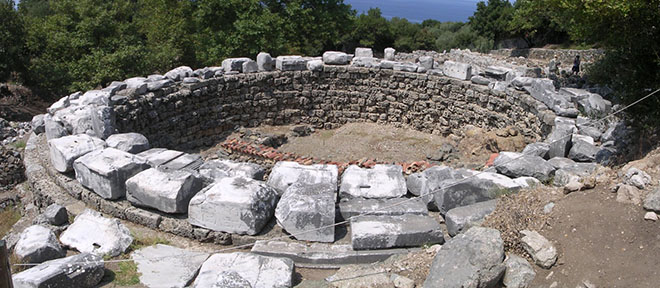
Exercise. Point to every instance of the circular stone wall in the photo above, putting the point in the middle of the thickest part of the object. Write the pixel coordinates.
(186, 116)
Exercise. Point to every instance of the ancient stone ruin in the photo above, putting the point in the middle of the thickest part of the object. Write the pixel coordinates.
(125, 150)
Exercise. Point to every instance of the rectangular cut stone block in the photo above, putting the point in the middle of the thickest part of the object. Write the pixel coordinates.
(169, 192)
(233, 204)
(65, 150)
(460, 218)
(163, 265)
(82, 270)
(290, 63)
(382, 207)
(234, 64)
(245, 270)
(159, 156)
(380, 232)
(497, 73)
(336, 58)
(217, 169)
(105, 171)
(185, 161)
(381, 181)
(457, 70)
(308, 211)
(364, 52)
(323, 254)
(389, 54)
(285, 173)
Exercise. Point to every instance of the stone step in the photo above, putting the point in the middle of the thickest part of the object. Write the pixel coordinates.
(381, 232)
(323, 255)
(381, 207)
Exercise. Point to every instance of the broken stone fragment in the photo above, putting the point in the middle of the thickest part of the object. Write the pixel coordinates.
(93, 233)
(541, 250)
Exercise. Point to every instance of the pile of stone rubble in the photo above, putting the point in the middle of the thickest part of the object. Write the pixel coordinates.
(383, 208)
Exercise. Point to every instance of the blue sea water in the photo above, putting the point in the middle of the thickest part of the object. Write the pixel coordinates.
(419, 10)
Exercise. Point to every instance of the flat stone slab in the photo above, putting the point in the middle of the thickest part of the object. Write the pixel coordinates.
(218, 169)
(129, 142)
(290, 63)
(233, 204)
(460, 218)
(381, 207)
(93, 233)
(169, 192)
(285, 173)
(105, 171)
(471, 259)
(38, 244)
(186, 161)
(308, 212)
(324, 255)
(380, 232)
(64, 150)
(163, 265)
(381, 181)
(159, 156)
(258, 271)
(82, 270)
(457, 70)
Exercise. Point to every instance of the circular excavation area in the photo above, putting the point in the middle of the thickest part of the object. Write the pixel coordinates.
(277, 172)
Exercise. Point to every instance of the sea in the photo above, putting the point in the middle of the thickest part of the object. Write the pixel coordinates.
(419, 10)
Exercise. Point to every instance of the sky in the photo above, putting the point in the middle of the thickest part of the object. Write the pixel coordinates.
(419, 10)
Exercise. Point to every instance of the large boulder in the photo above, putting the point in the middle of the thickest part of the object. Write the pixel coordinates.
(457, 70)
(461, 218)
(166, 191)
(38, 244)
(519, 273)
(234, 64)
(265, 62)
(77, 119)
(521, 165)
(544, 90)
(93, 233)
(218, 169)
(105, 171)
(83, 270)
(64, 150)
(336, 58)
(471, 259)
(290, 63)
(95, 97)
(284, 174)
(177, 74)
(55, 214)
(233, 204)
(423, 183)
(652, 201)
(315, 65)
(382, 232)
(38, 124)
(54, 128)
(128, 142)
(542, 251)
(241, 269)
(103, 121)
(583, 151)
(167, 266)
(308, 212)
(381, 207)
(561, 137)
(497, 72)
(426, 62)
(250, 67)
(381, 181)
(592, 104)
(537, 149)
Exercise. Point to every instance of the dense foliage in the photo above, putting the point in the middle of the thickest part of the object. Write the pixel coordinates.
(66, 45)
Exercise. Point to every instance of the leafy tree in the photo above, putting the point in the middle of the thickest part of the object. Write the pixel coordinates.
(371, 30)
(492, 19)
(11, 39)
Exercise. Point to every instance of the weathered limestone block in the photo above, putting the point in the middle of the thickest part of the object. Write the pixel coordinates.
(366, 62)
(389, 54)
(382, 207)
(497, 72)
(60, 104)
(95, 97)
(405, 67)
(77, 119)
(364, 52)
(177, 74)
(519, 273)
(387, 64)
(544, 91)
(103, 121)
(471, 259)
(234, 64)
(92, 233)
(304, 209)
(265, 62)
(315, 65)
(423, 183)
(38, 244)
(159, 84)
(138, 84)
(64, 150)
(561, 136)
(336, 58)
(457, 70)
(83, 270)
(54, 128)
(286, 173)
(461, 218)
(381, 232)
(217, 169)
(189, 162)
(480, 80)
(235, 269)
(582, 151)
(163, 265)
(106, 171)
(537, 149)
(250, 66)
(128, 142)
(426, 62)
(233, 204)
(522, 165)
(381, 181)
(541, 250)
(169, 192)
(38, 124)
(290, 63)
(159, 156)
(55, 214)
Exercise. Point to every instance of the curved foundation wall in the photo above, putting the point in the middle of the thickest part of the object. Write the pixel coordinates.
(188, 116)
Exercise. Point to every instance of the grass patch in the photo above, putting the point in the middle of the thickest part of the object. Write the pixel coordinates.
(9, 216)
(127, 274)
(20, 144)
(140, 241)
